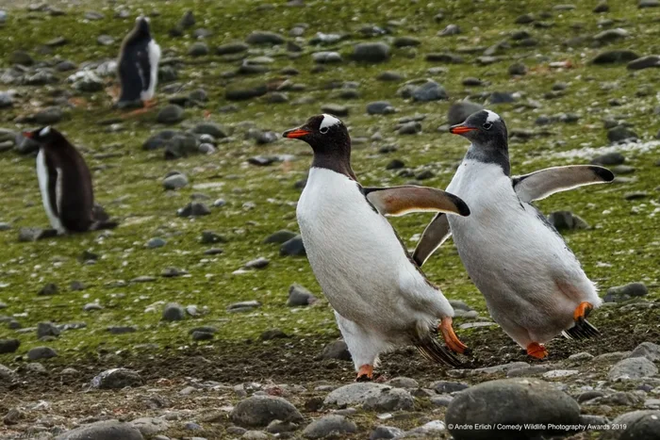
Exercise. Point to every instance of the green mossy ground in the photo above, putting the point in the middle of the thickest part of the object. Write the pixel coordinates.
(622, 246)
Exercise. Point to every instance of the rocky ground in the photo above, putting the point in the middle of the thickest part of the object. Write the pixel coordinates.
(198, 317)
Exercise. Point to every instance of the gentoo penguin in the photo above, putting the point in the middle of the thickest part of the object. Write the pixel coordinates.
(534, 285)
(138, 66)
(66, 185)
(380, 298)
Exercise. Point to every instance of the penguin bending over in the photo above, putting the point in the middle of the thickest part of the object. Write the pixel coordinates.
(533, 284)
(380, 298)
(137, 66)
(66, 185)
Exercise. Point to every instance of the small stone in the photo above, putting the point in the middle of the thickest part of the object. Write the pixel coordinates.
(264, 38)
(430, 91)
(649, 350)
(648, 4)
(406, 42)
(259, 263)
(210, 237)
(386, 432)
(566, 220)
(173, 312)
(403, 382)
(22, 58)
(329, 426)
(259, 411)
(371, 396)
(451, 29)
(446, 387)
(280, 237)
(48, 289)
(293, 247)
(41, 353)
(609, 159)
(104, 430)
(517, 69)
(390, 76)
(105, 40)
(371, 52)
(175, 181)
(380, 108)
(156, 243)
(47, 329)
(231, 48)
(121, 330)
(201, 336)
(395, 164)
(299, 296)
(326, 57)
(273, 334)
(617, 56)
(49, 116)
(632, 368)
(9, 345)
(412, 127)
(625, 292)
(243, 306)
(117, 378)
(150, 426)
(336, 350)
(621, 134)
(170, 114)
(198, 49)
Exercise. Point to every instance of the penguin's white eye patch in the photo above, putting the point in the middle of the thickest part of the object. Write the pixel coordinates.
(487, 125)
(44, 131)
(328, 121)
(324, 130)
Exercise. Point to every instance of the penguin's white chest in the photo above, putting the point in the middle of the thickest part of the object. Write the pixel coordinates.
(354, 252)
(44, 187)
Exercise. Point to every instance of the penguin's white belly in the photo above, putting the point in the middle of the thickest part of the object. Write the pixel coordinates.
(357, 258)
(42, 175)
(516, 260)
(154, 53)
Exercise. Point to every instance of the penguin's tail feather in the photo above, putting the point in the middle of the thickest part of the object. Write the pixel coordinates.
(581, 330)
(430, 347)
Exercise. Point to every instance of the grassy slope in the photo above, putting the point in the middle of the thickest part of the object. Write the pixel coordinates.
(623, 246)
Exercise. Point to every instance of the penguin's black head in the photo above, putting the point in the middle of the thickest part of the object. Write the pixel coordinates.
(324, 133)
(142, 26)
(485, 129)
(329, 139)
(46, 136)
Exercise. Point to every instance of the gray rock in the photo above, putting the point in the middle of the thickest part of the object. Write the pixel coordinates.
(566, 220)
(616, 56)
(380, 108)
(501, 98)
(390, 76)
(406, 42)
(444, 386)
(644, 62)
(625, 292)
(648, 4)
(459, 111)
(601, 7)
(7, 375)
(442, 400)
(201, 336)
(261, 38)
(243, 94)
(173, 312)
(371, 52)
(329, 426)
(121, 330)
(259, 263)
(271, 334)
(385, 432)
(412, 127)
(327, 57)
(117, 378)
(372, 396)
(649, 350)
(49, 115)
(335, 109)
(22, 58)
(451, 29)
(198, 49)
(258, 411)
(293, 247)
(175, 181)
(150, 426)
(48, 289)
(105, 40)
(609, 159)
(170, 114)
(41, 353)
(105, 430)
(510, 401)
(231, 48)
(211, 128)
(299, 296)
(632, 368)
(638, 425)
(47, 329)
(280, 237)
(244, 306)
(336, 350)
(9, 345)
(621, 134)
(430, 91)
(194, 209)
(210, 237)
(6, 100)
(156, 242)
(517, 69)
(610, 35)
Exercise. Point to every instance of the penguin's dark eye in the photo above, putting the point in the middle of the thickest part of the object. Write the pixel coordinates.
(487, 125)
(324, 130)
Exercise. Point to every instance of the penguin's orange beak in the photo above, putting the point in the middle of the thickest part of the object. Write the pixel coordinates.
(460, 129)
(296, 133)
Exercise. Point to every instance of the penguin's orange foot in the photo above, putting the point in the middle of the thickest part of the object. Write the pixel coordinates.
(537, 350)
(450, 337)
(150, 103)
(582, 311)
(365, 373)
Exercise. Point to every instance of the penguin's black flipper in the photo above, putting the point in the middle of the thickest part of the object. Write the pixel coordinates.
(543, 183)
(432, 238)
(399, 200)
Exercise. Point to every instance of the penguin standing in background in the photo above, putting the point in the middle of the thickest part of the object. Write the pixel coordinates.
(66, 185)
(533, 284)
(381, 299)
(137, 66)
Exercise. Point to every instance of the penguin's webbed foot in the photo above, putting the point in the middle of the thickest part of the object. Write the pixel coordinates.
(365, 374)
(537, 350)
(450, 337)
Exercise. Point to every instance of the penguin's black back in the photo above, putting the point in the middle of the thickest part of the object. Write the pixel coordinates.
(76, 207)
(134, 66)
